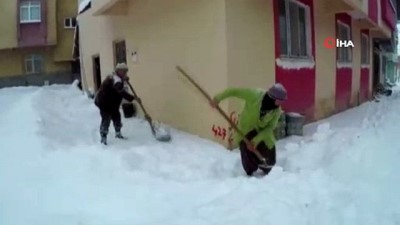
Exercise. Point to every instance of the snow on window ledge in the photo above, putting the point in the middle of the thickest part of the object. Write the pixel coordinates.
(293, 63)
(343, 65)
(294, 114)
(365, 66)
(29, 21)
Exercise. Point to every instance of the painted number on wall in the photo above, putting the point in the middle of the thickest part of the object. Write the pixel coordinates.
(219, 131)
(226, 133)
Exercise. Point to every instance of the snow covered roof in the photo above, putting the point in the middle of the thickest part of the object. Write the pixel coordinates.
(83, 4)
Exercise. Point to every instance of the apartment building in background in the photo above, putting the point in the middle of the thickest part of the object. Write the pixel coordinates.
(237, 43)
(36, 42)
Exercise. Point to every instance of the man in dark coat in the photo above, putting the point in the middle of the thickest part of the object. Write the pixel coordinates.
(108, 99)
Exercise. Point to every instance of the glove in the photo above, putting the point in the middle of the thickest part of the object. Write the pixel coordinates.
(250, 147)
(147, 117)
(213, 104)
(125, 78)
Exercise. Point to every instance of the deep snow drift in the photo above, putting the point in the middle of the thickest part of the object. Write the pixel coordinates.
(53, 171)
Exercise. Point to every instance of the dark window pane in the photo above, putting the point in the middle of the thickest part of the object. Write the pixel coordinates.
(28, 66)
(38, 65)
(24, 11)
(363, 50)
(294, 29)
(35, 13)
(339, 32)
(67, 22)
(283, 27)
(302, 31)
(344, 54)
(73, 22)
(120, 52)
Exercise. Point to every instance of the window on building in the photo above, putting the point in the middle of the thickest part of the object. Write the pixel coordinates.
(30, 12)
(70, 22)
(294, 29)
(344, 33)
(365, 51)
(120, 52)
(33, 64)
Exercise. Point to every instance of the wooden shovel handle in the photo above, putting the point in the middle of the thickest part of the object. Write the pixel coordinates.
(231, 123)
(147, 116)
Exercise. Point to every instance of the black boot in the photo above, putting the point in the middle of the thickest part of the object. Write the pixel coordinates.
(119, 135)
(104, 140)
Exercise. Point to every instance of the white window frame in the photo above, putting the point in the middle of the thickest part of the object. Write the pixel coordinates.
(348, 38)
(367, 50)
(29, 5)
(70, 19)
(31, 60)
(289, 35)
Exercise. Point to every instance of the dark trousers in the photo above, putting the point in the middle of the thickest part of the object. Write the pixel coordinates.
(106, 118)
(249, 159)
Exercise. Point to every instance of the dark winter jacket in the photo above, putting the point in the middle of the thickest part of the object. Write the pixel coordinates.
(111, 92)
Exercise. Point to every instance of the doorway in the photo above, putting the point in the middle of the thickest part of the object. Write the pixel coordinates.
(96, 72)
(376, 71)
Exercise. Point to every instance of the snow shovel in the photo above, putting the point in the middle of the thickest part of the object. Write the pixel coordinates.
(160, 136)
(263, 164)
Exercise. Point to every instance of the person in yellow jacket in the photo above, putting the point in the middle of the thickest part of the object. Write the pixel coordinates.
(258, 121)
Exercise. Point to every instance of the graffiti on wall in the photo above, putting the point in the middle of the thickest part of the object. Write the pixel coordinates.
(226, 133)
(219, 132)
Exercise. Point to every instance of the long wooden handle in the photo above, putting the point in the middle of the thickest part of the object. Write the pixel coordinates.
(233, 125)
(147, 116)
(134, 93)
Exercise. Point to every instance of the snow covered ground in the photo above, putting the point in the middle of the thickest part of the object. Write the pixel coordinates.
(53, 171)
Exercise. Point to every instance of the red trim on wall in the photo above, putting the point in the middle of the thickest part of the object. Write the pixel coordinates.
(365, 31)
(300, 83)
(344, 18)
(343, 88)
(388, 14)
(373, 10)
(343, 75)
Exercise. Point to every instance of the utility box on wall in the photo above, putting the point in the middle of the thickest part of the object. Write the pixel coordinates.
(280, 131)
(295, 124)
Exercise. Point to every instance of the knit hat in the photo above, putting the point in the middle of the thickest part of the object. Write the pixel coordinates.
(278, 92)
(121, 66)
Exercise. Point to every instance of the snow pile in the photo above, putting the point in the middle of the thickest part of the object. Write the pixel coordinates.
(287, 63)
(53, 171)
